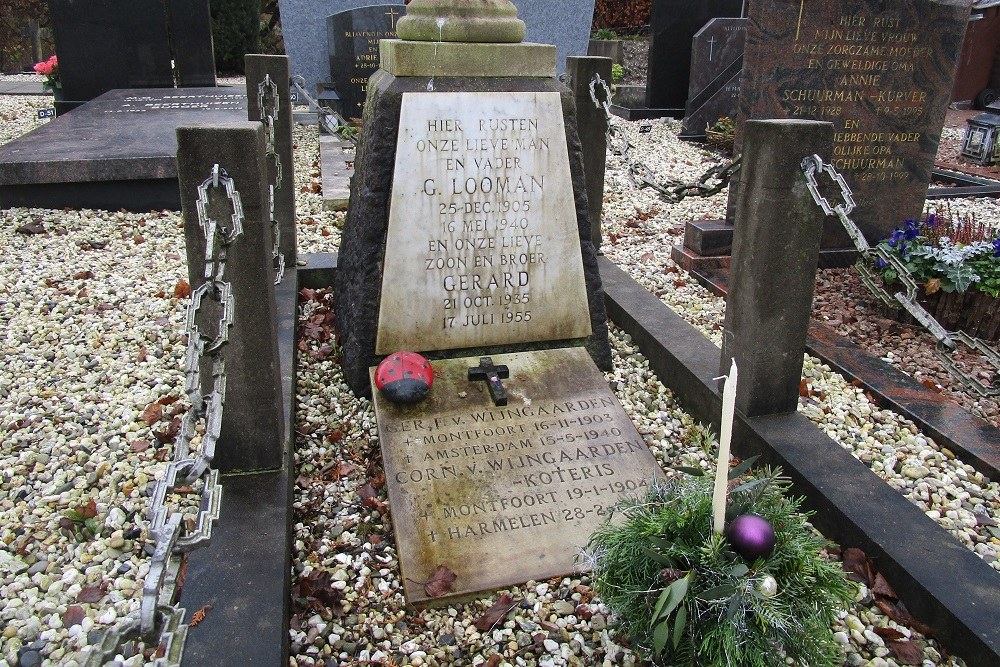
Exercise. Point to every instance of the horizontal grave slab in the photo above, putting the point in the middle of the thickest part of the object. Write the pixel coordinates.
(471, 483)
(117, 151)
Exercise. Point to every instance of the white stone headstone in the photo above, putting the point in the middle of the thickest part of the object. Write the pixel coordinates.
(483, 246)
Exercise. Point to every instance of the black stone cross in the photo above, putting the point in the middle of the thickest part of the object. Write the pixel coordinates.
(491, 374)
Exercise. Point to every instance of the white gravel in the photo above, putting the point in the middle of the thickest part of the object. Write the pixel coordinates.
(92, 336)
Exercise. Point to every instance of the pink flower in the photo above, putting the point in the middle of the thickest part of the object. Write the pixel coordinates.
(47, 67)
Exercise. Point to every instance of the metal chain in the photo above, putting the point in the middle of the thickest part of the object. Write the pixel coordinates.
(711, 182)
(329, 119)
(174, 532)
(947, 341)
(268, 103)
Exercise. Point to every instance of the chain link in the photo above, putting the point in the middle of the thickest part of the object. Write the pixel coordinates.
(173, 532)
(268, 103)
(711, 182)
(869, 258)
(329, 119)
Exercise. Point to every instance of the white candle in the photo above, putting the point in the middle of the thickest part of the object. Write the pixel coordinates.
(725, 436)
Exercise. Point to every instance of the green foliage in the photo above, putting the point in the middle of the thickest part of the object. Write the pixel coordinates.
(622, 14)
(15, 49)
(947, 253)
(617, 72)
(605, 33)
(235, 32)
(686, 599)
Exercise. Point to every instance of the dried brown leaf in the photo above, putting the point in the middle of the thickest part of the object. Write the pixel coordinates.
(182, 289)
(440, 583)
(882, 587)
(168, 434)
(73, 615)
(83, 275)
(152, 414)
(890, 634)
(90, 594)
(199, 616)
(858, 567)
(139, 445)
(907, 653)
(496, 613)
(31, 228)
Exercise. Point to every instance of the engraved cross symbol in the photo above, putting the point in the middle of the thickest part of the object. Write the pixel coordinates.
(392, 14)
(711, 48)
(491, 374)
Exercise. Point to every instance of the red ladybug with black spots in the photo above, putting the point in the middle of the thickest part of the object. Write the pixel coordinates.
(404, 377)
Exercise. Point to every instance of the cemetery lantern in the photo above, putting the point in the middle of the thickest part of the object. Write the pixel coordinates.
(982, 143)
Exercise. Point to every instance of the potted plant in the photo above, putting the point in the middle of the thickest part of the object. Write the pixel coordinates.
(956, 262)
(722, 133)
(50, 70)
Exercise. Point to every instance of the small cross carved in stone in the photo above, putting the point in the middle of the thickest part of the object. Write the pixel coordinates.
(491, 374)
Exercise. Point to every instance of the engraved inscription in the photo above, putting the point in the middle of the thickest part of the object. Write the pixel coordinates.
(180, 101)
(880, 71)
(482, 229)
(466, 477)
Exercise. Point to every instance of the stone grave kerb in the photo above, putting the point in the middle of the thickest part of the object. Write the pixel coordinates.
(414, 64)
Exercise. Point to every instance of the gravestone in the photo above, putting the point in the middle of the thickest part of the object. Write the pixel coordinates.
(304, 29)
(479, 256)
(880, 71)
(109, 44)
(716, 65)
(353, 46)
(674, 24)
(565, 24)
(115, 152)
(191, 43)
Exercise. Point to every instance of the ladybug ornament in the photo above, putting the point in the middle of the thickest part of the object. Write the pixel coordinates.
(404, 377)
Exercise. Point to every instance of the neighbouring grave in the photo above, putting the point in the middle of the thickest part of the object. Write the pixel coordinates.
(304, 29)
(716, 65)
(565, 24)
(110, 44)
(353, 36)
(674, 24)
(115, 152)
(488, 269)
(880, 71)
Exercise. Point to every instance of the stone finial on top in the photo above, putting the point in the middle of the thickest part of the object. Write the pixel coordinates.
(478, 21)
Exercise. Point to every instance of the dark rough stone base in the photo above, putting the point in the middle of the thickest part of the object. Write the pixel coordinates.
(359, 276)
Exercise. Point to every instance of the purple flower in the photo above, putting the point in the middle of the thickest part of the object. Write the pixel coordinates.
(996, 247)
(931, 220)
(880, 263)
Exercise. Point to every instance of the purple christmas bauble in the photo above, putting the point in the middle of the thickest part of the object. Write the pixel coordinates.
(751, 536)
